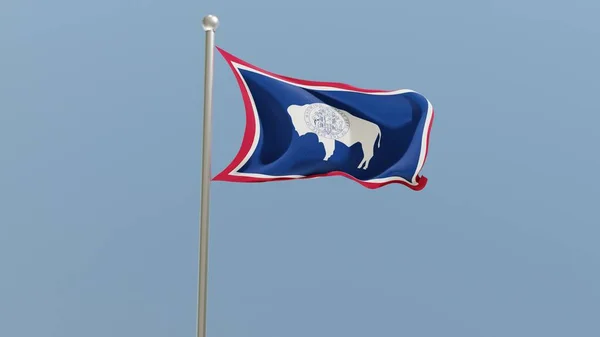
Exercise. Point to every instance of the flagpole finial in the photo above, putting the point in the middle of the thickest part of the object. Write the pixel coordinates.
(210, 22)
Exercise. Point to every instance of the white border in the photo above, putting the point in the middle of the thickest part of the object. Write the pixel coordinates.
(235, 172)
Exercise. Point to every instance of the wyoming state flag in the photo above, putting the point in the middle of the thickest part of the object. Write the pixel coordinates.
(299, 129)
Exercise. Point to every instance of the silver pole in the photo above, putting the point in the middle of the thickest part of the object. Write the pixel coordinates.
(210, 24)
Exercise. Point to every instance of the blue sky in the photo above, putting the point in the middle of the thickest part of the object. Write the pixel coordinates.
(100, 144)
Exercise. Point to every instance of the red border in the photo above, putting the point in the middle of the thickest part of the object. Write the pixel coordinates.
(251, 128)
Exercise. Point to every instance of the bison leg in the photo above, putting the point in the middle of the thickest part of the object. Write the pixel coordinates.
(367, 155)
(329, 145)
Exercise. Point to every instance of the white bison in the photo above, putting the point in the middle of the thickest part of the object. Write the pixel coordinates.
(331, 124)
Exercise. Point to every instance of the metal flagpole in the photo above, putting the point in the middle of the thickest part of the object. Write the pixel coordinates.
(210, 24)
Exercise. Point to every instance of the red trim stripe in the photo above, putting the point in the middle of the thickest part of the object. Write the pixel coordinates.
(250, 129)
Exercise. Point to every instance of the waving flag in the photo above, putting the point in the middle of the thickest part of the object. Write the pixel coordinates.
(299, 129)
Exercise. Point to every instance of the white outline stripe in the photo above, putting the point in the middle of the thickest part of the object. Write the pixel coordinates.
(235, 172)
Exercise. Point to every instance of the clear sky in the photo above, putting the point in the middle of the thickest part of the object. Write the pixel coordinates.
(100, 143)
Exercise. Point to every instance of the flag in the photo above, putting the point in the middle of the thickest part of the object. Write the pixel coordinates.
(300, 129)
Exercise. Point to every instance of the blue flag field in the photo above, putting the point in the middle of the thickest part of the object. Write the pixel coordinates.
(299, 129)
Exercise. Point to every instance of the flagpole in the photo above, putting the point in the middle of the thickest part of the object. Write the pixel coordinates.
(210, 24)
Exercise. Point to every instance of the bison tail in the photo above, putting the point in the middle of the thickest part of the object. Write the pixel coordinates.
(379, 138)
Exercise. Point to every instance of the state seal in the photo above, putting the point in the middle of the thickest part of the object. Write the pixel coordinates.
(326, 121)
